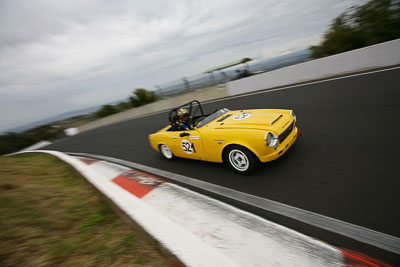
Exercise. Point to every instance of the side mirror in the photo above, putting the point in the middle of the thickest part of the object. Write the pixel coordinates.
(184, 134)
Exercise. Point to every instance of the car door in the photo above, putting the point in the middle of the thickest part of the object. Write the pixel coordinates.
(188, 144)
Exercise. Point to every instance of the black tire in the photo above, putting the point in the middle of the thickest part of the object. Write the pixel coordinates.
(166, 152)
(240, 159)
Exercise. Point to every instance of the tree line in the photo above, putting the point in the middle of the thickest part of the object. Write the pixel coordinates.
(371, 23)
(138, 98)
(374, 22)
(12, 142)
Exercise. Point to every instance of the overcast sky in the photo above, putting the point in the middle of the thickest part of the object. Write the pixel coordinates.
(63, 55)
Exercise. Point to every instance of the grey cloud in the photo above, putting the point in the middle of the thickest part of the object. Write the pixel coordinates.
(68, 54)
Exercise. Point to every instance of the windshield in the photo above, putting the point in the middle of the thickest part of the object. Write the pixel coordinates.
(212, 117)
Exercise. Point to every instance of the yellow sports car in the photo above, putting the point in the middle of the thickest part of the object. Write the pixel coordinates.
(240, 138)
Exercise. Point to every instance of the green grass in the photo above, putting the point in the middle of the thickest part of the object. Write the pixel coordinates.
(50, 216)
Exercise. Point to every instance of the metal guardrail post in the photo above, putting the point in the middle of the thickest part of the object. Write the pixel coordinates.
(186, 83)
(159, 91)
(212, 78)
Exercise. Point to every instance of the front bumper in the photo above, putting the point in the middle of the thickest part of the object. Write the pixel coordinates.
(282, 148)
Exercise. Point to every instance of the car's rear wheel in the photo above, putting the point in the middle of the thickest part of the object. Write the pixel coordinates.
(240, 159)
(166, 152)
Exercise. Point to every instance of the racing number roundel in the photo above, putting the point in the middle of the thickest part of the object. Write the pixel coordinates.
(242, 116)
(186, 146)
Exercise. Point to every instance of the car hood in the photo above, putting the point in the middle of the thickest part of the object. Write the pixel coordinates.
(262, 119)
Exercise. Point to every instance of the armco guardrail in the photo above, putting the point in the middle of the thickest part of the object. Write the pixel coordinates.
(380, 55)
(376, 56)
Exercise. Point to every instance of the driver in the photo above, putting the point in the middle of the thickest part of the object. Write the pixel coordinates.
(184, 119)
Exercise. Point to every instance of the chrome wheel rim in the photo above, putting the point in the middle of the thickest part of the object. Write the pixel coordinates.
(238, 160)
(166, 151)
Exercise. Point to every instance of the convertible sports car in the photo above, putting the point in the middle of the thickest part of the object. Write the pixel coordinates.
(240, 138)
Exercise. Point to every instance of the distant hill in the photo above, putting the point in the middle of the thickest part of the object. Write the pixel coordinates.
(58, 117)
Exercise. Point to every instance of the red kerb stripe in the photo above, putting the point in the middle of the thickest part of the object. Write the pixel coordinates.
(137, 183)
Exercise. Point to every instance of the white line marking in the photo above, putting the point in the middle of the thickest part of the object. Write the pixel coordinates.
(265, 91)
(299, 85)
(368, 236)
(276, 89)
(184, 245)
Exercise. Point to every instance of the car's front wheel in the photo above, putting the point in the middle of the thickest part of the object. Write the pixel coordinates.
(240, 159)
(166, 152)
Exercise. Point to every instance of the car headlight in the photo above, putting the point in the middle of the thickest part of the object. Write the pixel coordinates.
(293, 115)
(271, 140)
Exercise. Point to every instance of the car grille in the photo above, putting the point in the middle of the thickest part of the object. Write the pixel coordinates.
(286, 133)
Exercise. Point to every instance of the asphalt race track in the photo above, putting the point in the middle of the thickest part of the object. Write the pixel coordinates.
(345, 166)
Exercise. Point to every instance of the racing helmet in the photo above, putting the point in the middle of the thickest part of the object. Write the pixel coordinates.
(183, 115)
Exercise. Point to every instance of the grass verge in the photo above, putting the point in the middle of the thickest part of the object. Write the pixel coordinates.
(50, 215)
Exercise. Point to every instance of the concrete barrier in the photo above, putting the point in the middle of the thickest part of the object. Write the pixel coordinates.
(161, 105)
(376, 56)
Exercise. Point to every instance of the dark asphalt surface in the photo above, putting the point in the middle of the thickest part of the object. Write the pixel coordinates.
(345, 166)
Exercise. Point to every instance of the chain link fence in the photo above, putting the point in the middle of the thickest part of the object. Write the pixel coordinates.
(188, 84)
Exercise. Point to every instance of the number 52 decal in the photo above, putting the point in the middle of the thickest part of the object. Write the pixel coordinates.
(188, 147)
